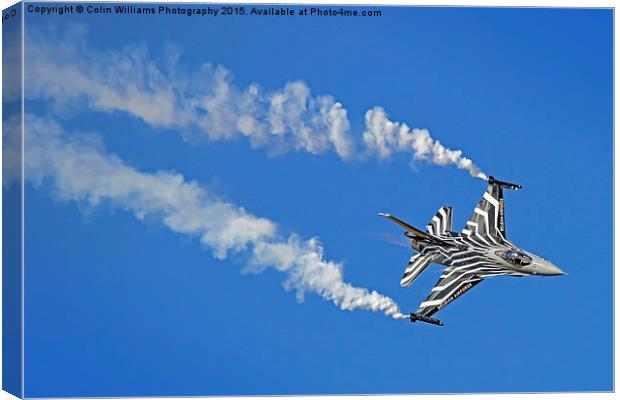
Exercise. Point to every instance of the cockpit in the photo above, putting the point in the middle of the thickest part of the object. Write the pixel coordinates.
(515, 258)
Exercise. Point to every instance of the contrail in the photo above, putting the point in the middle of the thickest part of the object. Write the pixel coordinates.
(206, 104)
(79, 170)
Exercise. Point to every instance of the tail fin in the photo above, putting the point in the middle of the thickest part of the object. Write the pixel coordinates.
(487, 221)
(441, 222)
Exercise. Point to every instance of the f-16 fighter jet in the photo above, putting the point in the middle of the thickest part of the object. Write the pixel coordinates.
(479, 251)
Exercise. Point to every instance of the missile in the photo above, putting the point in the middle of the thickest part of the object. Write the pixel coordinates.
(506, 185)
(429, 320)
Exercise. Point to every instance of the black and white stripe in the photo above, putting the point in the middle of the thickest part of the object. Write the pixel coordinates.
(466, 254)
(486, 223)
(417, 264)
(441, 222)
(476, 253)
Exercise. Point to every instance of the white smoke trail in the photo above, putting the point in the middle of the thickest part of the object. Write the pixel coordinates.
(203, 104)
(384, 137)
(206, 103)
(79, 170)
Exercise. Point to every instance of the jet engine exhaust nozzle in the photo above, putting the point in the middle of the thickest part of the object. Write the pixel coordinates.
(429, 320)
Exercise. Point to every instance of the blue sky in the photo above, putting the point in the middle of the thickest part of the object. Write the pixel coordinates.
(119, 306)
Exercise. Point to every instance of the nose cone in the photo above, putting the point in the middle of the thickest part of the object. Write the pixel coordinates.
(551, 270)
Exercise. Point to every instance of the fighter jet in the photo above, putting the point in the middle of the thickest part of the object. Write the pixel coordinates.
(479, 251)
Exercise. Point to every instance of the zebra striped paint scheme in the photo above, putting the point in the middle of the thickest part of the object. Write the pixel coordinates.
(441, 222)
(439, 225)
(479, 251)
(466, 255)
(417, 264)
(487, 220)
(468, 263)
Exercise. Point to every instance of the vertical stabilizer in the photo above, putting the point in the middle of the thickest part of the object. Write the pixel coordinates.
(487, 222)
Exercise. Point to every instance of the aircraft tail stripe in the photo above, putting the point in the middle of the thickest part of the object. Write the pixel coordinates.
(487, 219)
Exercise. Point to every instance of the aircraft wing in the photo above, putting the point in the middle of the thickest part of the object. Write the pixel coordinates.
(451, 284)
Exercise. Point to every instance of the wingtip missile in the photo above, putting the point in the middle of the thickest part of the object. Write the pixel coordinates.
(413, 317)
(503, 184)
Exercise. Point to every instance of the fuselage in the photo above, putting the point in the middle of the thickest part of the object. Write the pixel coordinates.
(479, 251)
(483, 257)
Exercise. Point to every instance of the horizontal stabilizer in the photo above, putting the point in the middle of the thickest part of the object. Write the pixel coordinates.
(417, 264)
(405, 225)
